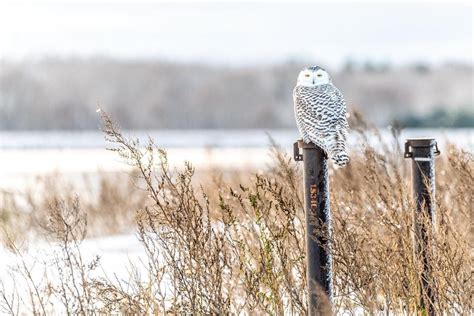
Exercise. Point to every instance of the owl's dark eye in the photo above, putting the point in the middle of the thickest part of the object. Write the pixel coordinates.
(319, 75)
(307, 75)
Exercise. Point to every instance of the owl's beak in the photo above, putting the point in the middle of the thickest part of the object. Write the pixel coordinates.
(313, 81)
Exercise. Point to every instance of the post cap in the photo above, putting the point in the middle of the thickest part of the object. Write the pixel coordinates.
(421, 142)
(424, 142)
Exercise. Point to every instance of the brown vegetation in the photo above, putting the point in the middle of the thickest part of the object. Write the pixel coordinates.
(216, 247)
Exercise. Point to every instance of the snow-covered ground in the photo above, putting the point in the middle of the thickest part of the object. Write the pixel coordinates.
(120, 256)
(116, 253)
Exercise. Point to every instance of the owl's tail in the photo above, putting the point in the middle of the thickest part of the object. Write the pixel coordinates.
(340, 158)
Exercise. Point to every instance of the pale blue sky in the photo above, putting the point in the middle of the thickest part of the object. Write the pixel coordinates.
(239, 32)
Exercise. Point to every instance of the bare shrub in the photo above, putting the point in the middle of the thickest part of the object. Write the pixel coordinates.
(215, 246)
(63, 277)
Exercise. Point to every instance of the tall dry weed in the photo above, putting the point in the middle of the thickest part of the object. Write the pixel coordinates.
(216, 247)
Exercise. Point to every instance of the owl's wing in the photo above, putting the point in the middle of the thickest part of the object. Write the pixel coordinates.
(340, 108)
(339, 121)
(308, 117)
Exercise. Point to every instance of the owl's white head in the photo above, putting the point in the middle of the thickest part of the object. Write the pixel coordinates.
(313, 76)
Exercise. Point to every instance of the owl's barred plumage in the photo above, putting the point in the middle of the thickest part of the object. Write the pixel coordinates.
(320, 112)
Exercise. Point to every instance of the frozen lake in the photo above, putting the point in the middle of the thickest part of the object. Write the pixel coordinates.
(41, 140)
(26, 154)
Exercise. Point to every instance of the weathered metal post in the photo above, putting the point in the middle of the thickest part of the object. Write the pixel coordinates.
(318, 226)
(422, 151)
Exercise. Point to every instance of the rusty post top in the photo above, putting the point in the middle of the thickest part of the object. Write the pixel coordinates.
(425, 142)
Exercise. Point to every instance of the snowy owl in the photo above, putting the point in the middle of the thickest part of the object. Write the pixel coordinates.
(320, 112)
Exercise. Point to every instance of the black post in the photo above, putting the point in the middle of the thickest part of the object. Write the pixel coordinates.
(318, 227)
(422, 151)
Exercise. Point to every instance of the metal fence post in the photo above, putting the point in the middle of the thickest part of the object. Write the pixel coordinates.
(422, 151)
(318, 226)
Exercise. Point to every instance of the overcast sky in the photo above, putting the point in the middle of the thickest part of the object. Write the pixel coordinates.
(239, 32)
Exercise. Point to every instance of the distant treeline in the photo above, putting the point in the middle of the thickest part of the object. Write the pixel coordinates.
(64, 93)
(441, 118)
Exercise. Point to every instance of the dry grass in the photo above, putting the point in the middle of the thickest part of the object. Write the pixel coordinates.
(217, 247)
(109, 200)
